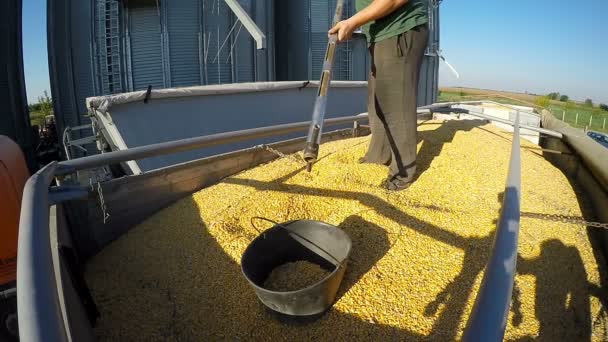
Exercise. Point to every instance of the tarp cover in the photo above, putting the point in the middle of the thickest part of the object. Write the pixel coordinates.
(104, 103)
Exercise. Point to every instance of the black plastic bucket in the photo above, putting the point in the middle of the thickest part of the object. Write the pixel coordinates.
(312, 241)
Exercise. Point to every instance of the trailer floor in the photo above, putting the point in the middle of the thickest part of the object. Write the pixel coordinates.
(417, 261)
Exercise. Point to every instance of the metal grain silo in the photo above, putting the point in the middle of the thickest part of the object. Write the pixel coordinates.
(145, 52)
(69, 35)
(301, 40)
(187, 42)
(14, 116)
(428, 87)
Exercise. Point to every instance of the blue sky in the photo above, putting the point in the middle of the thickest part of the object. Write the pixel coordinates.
(537, 46)
(35, 57)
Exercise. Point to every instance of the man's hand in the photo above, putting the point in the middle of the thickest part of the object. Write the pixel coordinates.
(376, 10)
(344, 29)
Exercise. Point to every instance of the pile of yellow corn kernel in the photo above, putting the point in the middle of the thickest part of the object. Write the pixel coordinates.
(417, 260)
(294, 276)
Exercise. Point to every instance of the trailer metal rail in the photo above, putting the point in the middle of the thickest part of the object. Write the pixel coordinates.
(39, 308)
(491, 310)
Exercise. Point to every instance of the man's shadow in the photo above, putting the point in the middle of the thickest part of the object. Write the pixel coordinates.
(562, 293)
(453, 298)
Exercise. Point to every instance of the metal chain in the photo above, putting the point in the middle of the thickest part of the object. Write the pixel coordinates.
(102, 202)
(566, 219)
(296, 158)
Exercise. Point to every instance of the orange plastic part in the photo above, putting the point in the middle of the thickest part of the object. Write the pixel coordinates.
(13, 175)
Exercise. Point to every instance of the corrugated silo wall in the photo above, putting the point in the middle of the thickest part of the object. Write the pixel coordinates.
(14, 116)
(189, 42)
(428, 87)
(70, 62)
(301, 39)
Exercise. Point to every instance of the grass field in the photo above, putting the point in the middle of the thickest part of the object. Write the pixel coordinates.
(592, 118)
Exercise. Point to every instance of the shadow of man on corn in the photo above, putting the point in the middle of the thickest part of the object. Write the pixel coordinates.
(452, 300)
(562, 293)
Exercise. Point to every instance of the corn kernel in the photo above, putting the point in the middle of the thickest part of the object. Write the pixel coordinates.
(294, 276)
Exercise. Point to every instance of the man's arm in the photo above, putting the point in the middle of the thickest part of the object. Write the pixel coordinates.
(376, 10)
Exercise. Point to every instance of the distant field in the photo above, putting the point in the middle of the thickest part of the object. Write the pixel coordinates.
(519, 97)
(592, 118)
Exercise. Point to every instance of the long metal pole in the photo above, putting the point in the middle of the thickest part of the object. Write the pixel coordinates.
(39, 311)
(134, 153)
(311, 150)
(491, 310)
(505, 121)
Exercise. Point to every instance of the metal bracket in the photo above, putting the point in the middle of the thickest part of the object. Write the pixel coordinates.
(250, 25)
(68, 142)
(435, 51)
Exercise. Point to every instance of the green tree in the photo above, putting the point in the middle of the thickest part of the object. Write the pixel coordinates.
(553, 96)
(604, 106)
(45, 104)
(589, 103)
(543, 101)
(564, 98)
(34, 107)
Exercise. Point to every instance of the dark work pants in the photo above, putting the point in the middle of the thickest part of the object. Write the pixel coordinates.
(392, 89)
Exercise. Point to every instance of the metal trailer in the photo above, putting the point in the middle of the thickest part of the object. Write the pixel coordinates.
(57, 313)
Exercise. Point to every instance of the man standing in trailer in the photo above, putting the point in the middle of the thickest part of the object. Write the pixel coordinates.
(397, 34)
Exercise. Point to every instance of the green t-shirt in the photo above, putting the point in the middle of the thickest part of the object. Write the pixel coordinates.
(412, 14)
